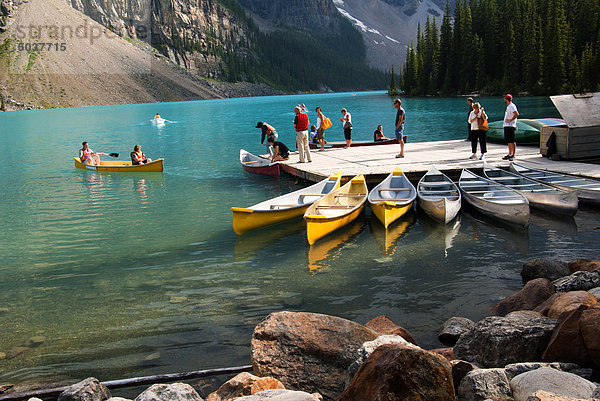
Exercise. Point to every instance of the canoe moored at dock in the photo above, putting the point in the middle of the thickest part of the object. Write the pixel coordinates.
(336, 209)
(524, 135)
(438, 196)
(356, 143)
(540, 196)
(587, 190)
(122, 166)
(493, 199)
(258, 165)
(283, 207)
(392, 197)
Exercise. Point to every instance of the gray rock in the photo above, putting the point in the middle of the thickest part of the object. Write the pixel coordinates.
(515, 369)
(551, 380)
(370, 346)
(460, 370)
(281, 395)
(34, 399)
(118, 399)
(595, 292)
(578, 281)
(89, 389)
(453, 328)
(35, 341)
(544, 268)
(481, 384)
(596, 393)
(169, 392)
(498, 341)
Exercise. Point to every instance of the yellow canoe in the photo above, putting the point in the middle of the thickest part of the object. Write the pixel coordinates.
(155, 166)
(393, 197)
(336, 210)
(282, 208)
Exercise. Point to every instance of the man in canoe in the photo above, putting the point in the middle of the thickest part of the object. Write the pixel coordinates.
(137, 157)
(88, 156)
(267, 131)
(280, 151)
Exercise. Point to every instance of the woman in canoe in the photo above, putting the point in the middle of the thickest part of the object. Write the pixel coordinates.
(88, 156)
(378, 134)
(137, 157)
(280, 151)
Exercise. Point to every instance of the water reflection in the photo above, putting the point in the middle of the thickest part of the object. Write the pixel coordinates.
(510, 238)
(435, 231)
(247, 245)
(561, 225)
(322, 253)
(387, 240)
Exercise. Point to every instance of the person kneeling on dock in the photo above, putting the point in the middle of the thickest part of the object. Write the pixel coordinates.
(280, 151)
(137, 157)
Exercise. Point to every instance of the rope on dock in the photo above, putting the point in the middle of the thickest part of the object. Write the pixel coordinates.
(53, 393)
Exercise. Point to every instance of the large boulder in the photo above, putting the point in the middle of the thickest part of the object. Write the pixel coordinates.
(453, 328)
(569, 301)
(515, 369)
(482, 384)
(544, 268)
(584, 265)
(578, 281)
(367, 349)
(397, 372)
(498, 341)
(552, 380)
(384, 325)
(281, 395)
(542, 395)
(307, 351)
(244, 384)
(531, 295)
(89, 389)
(566, 343)
(169, 392)
(544, 307)
(589, 327)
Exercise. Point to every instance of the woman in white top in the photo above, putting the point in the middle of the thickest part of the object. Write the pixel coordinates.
(346, 120)
(476, 116)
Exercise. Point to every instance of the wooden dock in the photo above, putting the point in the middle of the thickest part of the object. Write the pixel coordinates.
(375, 162)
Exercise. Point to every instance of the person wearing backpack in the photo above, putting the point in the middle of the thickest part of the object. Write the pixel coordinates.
(476, 119)
(346, 120)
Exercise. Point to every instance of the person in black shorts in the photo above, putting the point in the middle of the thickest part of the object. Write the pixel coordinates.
(280, 151)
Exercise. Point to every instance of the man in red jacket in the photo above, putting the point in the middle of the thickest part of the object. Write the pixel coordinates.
(301, 127)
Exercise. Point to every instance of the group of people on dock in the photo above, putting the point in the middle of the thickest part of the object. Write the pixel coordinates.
(478, 126)
(278, 151)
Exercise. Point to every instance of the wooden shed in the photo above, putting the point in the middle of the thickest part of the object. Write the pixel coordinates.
(580, 137)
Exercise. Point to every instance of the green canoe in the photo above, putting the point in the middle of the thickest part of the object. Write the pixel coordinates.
(528, 130)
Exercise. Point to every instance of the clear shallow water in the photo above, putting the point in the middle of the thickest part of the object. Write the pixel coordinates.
(138, 274)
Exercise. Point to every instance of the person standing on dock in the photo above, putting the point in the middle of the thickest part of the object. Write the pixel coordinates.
(476, 117)
(510, 126)
(399, 131)
(301, 127)
(470, 103)
(320, 137)
(346, 120)
(267, 131)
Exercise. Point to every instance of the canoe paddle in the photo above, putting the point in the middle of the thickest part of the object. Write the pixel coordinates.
(112, 154)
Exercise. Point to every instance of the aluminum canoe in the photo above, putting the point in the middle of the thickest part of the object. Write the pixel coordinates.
(540, 196)
(493, 199)
(392, 197)
(122, 166)
(258, 165)
(438, 196)
(587, 190)
(336, 209)
(282, 208)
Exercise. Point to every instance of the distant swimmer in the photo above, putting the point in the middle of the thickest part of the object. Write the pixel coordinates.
(157, 116)
(137, 157)
(88, 156)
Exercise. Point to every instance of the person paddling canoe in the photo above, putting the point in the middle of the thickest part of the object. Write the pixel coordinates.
(137, 157)
(88, 156)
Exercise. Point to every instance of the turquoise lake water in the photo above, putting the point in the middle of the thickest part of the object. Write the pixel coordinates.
(137, 274)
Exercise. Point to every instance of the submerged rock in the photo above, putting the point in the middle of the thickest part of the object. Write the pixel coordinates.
(169, 392)
(89, 389)
(307, 351)
(400, 372)
(36, 340)
(498, 341)
(552, 380)
(14, 352)
(453, 328)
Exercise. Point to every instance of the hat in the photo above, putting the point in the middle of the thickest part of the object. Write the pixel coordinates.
(259, 124)
(508, 96)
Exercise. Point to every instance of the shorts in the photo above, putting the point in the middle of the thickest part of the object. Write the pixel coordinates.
(285, 155)
(399, 133)
(348, 133)
(509, 134)
(320, 134)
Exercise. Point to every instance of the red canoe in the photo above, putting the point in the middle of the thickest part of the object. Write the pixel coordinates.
(355, 143)
(258, 165)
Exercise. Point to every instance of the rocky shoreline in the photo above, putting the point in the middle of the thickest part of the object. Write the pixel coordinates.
(539, 344)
